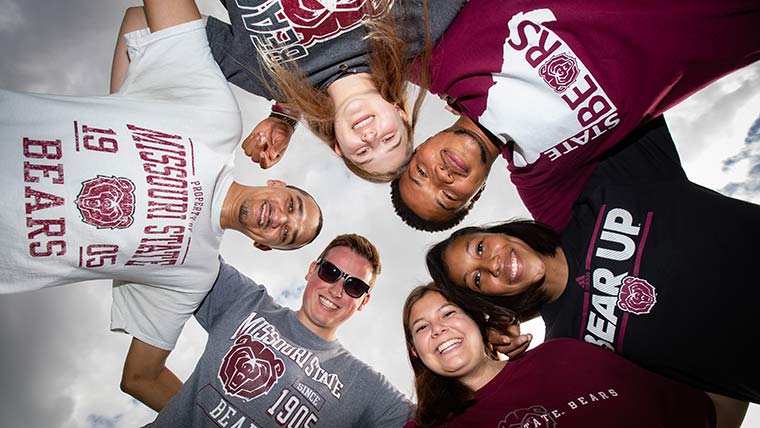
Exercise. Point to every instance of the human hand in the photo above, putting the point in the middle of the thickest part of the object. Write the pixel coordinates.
(510, 343)
(267, 143)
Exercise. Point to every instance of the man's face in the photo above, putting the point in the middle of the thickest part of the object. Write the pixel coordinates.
(445, 172)
(326, 306)
(278, 216)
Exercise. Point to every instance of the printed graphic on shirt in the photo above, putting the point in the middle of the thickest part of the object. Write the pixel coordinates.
(613, 290)
(249, 369)
(162, 197)
(538, 416)
(107, 202)
(541, 67)
(255, 367)
(284, 30)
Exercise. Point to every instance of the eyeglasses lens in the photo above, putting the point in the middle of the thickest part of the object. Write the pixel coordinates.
(353, 286)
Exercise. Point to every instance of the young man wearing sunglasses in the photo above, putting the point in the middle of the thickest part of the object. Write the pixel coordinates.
(266, 365)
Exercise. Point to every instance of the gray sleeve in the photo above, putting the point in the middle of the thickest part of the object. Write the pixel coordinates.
(242, 69)
(229, 287)
(387, 407)
(441, 14)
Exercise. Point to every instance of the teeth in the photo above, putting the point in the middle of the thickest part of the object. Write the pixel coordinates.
(447, 344)
(327, 303)
(264, 207)
(514, 266)
(363, 122)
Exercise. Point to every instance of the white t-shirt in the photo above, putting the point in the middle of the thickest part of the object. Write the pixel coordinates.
(128, 186)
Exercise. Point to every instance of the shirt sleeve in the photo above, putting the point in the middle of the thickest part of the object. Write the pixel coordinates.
(388, 408)
(238, 59)
(153, 314)
(647, 155)
(230, 287)
(176, 65)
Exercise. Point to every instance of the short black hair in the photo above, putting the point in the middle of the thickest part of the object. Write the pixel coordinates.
(415, 221)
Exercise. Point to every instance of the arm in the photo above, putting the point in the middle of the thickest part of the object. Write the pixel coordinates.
(134, 19)
(267, 143)
(730, 411)
(162, 14)
(146, 376)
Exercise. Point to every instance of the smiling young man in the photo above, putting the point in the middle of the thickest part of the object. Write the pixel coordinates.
(268, 366)
(562, 84)
(445, 177)
(138, 186)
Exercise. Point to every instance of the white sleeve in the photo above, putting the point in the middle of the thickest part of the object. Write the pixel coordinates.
(176, 65)
(153, 314)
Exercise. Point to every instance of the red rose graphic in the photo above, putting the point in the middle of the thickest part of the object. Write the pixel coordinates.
(636, 296)
(534, 417)
(315, 22)
(107, 202)
(560, 72)
(249, 369)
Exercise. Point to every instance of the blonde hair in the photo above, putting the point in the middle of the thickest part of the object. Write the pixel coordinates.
(390, 70)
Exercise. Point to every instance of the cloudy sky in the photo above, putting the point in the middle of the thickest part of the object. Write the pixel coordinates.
(59, 364)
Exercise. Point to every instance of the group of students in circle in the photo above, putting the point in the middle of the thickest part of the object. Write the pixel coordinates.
(627, 262)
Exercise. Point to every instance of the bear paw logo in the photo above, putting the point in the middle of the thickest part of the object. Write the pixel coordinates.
(249, 369)
(560, 72)
(636, 296)
(316, 20)
(534, 417)
(107, 202)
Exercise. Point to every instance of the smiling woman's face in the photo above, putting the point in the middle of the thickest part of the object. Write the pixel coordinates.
(372, 134)
(445, 338)
(493, 264)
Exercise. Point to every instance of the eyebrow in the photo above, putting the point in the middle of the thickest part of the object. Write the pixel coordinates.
(440, 204)
(411, 177)
(294, 235)
(466, 250)
(411, 324)
(366, 161)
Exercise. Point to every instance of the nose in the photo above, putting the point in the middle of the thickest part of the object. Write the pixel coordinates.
(443, 174)
(336, 288)
(277, 217)
(494, 265)
(438, 329)
(369, 135)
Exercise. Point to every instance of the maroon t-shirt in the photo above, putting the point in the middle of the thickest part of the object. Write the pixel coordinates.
(562, 82)
(567, 383)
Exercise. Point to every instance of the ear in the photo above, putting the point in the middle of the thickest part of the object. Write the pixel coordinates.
(277, 183)
(414, 352)
(262, 247)
(402, 113)
(365, 300)
(337, 150)
(312, 266)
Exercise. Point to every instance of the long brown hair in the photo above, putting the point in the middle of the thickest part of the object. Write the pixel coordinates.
(390, 69)
(439, 398)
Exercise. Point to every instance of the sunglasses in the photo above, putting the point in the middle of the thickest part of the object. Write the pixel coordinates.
(330, 273)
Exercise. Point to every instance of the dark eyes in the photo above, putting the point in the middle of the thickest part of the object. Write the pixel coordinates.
(291, 205)
(421, 172)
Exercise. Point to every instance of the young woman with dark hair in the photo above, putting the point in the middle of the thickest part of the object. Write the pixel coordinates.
(344, 72)
(460, 381)
(652, 266)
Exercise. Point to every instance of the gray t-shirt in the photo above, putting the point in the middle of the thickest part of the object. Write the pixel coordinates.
(325, 44)
(263, 368)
